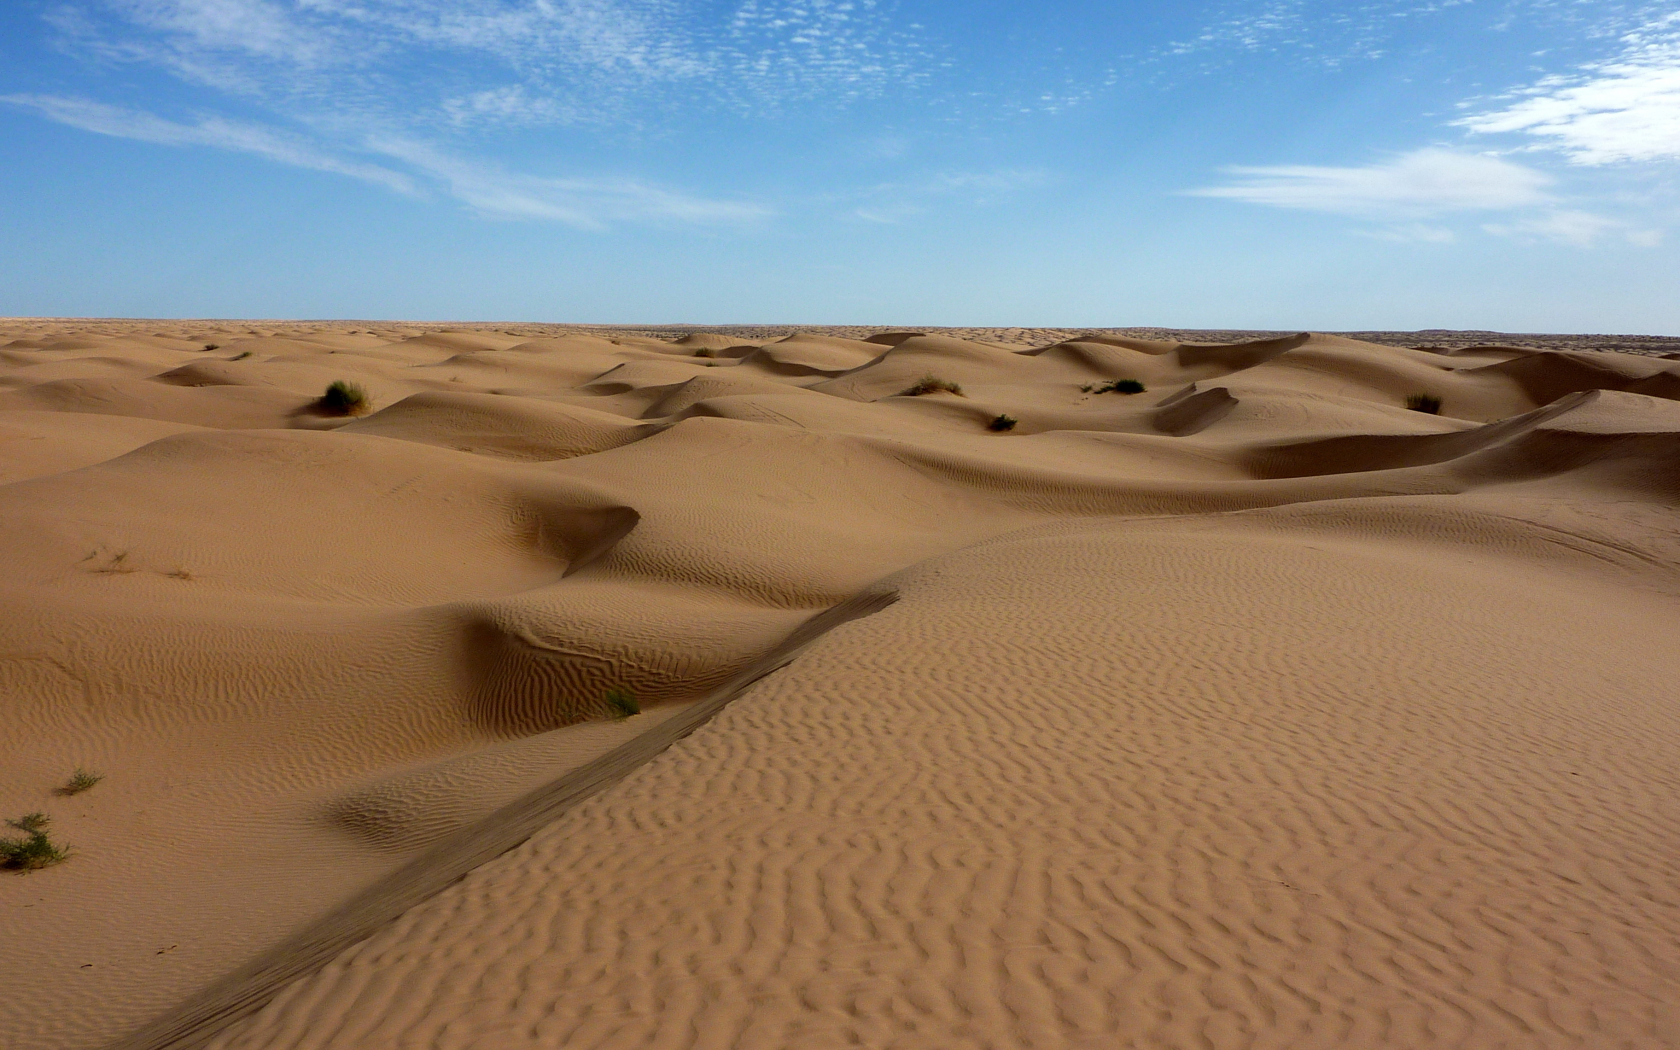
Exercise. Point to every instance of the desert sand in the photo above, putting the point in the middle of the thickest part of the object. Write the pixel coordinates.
(1253, 709)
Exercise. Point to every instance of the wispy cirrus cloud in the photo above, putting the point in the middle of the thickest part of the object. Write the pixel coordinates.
(1418, 184)
(1581, 229)
(1624, 109)
(1408, 198)
(489, 190)
(588, 203)
(549, 61)
(1326, 32)
(892, 203)
(213, 131)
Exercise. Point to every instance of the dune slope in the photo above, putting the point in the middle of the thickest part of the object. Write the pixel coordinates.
(1251, 709)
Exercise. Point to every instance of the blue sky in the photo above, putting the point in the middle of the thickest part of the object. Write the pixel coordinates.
(1209, 163)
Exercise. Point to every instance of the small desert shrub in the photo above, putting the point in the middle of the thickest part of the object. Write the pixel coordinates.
(931, 384)
(1087, 388)
(621, 702)
(1424, 403)
(117, 565)
(81, 779)
(1121, 386)
(212, 346)
(343, 399)
(35, 851)
(705, 351)
(1002, 423)
(242, 355)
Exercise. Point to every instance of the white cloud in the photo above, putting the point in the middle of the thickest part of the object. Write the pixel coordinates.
(1581, 229)
(891, 203)
(590, 203)
(1626, 109)
(1421, 183)
(511, 104)
(1412, 233)
(212, 131)
(586, 203)
(1325, 32)
(570, 60)
(257, 27)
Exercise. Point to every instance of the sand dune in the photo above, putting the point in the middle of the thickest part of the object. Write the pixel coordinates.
(1254, 709)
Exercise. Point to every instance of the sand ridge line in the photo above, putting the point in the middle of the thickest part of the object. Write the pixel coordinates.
(202, 1018)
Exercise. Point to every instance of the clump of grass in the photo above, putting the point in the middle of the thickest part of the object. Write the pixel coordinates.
(931, 384)
(1424, 403)
(117, 565)
(80, 781)
(344, 399)
(705, 351)
(1002, 423)
(242, 355)
(1120, 386)
(621, 702)
(37, 850)
(212, 346)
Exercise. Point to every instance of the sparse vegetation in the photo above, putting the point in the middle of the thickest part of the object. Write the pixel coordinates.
(1115, 386)
(80, 781)
(344, 399)
(36, 850)
(1122, 386)
(116, 565)
(1002, 423)
(242, 355)
(705, 351)
(1424, 403)
(931, 384)
(621, 702)
(212, 346)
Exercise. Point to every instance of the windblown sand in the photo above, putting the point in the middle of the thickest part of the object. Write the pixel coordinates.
(1253, 710)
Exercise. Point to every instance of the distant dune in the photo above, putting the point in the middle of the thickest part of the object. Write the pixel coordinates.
(563, 686)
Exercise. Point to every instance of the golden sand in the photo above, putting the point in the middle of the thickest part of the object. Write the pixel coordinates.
(1252, 710)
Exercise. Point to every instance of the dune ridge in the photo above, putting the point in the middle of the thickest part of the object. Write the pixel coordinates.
(1250, 709)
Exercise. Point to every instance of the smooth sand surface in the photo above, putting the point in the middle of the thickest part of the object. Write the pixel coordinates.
(1253, 710)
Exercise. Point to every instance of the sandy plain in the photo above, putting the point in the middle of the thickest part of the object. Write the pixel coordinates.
(1251, 710)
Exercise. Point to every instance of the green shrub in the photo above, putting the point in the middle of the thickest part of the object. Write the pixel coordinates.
(621, 702)
(35, 851)
(1121, 386)
(343, 399)
(1424, 403)
(81, 779)
(212, 346)
(242, 355)
(1002, 423)
(705, 351)
(931, 384)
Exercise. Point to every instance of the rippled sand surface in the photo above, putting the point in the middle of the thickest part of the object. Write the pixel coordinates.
(1253, 709)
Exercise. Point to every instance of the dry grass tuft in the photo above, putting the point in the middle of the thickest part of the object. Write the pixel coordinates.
(344, 399)
(931, 384)
(80, 781)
